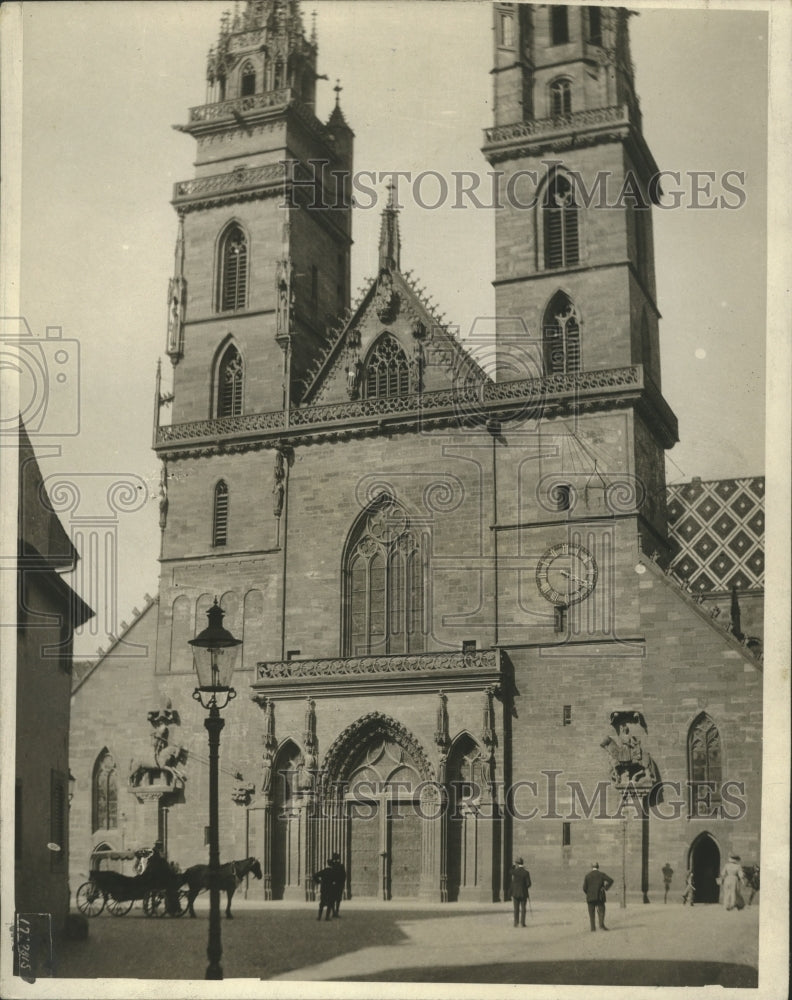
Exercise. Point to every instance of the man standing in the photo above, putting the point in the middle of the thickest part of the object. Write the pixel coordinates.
(520, 884)
(668, 874)
(339, 883)
(595, 885)
(326, 879)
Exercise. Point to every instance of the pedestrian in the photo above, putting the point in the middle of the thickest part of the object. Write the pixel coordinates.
(339, 883)
(326, 879)
(690, 890)
(668, 874)
(520, 884)
(595, 886)
(732, 881)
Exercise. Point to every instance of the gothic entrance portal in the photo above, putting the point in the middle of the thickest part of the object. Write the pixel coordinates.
(704, 860)
(387, 803)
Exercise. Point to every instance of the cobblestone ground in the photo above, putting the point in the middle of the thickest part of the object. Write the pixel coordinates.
(651, 944)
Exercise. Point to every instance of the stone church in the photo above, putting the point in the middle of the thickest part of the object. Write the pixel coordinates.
(476, 622)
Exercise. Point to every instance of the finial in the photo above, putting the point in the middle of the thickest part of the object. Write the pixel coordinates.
(338, 88)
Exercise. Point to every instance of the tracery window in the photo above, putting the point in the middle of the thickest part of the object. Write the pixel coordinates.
(561, 336)
(704, 766)
(220, 514)
(561, 229)
(560, 98)
(233, 269)
(387, 370)
(247, 85)
(386, 583)
(230, 383)
(105, 792)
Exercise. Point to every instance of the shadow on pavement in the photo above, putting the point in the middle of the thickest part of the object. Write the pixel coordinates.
(584, 973)
(256, 943)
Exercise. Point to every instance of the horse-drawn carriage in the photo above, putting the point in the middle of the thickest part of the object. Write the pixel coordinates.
(109, 887)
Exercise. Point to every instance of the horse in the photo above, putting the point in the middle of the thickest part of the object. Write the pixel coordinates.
(228, 878)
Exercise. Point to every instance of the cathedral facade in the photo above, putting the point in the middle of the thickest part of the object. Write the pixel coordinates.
(472, 618)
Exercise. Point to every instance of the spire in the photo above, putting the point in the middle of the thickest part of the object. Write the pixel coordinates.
(390, 242)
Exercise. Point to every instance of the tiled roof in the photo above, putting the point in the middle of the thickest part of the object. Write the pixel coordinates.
(716, 530)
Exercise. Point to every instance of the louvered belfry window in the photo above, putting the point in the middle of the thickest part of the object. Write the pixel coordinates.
(561, 235)
(220, 518)
(387, 372)
(230, 378)
(561, 336)
(234, 270)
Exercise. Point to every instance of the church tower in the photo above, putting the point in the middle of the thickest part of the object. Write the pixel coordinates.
(574, 269)
(261, 272)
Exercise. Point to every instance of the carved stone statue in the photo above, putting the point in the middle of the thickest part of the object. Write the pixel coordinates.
(279, 484)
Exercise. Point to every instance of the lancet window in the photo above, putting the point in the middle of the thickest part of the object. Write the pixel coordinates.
(561, 223)
(230, 383)
(233, 270)
(561, 336)
(105, 792)
(704, 766)
(387, 370)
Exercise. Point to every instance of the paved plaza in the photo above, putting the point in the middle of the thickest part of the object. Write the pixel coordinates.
(651, 944)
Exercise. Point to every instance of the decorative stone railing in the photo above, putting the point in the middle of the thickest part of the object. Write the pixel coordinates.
(615, 115)
(241, 105)
(468, 402)
(231, 180)
(411, 663)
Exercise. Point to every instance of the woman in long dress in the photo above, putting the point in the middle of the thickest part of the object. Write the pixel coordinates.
(731, 884)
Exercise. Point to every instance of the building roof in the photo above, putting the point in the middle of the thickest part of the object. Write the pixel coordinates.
(716, 529)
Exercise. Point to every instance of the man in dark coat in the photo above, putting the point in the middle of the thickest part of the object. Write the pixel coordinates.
(339, 883)
(327, 880)
(520, 884)
(595, 885)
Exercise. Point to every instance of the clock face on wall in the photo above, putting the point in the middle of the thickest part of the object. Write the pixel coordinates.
(566, 574)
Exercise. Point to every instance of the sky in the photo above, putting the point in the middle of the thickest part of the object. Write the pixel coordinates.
(103, 84)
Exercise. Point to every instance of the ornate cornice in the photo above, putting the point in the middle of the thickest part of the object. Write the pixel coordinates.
(467, 405)
(357, 665)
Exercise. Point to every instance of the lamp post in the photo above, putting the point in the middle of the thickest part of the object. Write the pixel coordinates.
(214, 653)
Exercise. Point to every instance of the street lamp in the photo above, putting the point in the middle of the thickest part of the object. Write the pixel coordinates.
(214, 653)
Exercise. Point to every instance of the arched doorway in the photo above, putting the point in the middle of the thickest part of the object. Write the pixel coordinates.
(704, 861)
(381, 804)
(465, 784)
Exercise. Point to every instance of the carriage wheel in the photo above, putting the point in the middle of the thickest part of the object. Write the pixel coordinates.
(154, 904)
(90, 900)
(119, 908)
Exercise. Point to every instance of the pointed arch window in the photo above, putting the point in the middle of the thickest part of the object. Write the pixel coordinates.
(220, 514)
(247, 85)
(233, 269)
(105, 792)
(387, 370)
(230, 383)
(561, 223)
(386, 584)
(704, 767)
(595, 25)
(559, 25)
(561, 336)
(560, 98)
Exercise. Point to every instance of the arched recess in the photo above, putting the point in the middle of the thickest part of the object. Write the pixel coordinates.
(247, 80)
(253, 629)
(181, 633)
(232, 609)
(467, 782)
(705, 767)
(286, 858)
(382, 802)
(385, 572)
(704, 860)
(104, 785)
(561, 336)
(202, 606)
